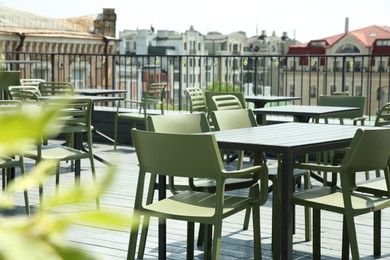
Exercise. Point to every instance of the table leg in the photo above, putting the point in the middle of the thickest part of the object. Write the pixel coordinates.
(162, 230)
(286, 205)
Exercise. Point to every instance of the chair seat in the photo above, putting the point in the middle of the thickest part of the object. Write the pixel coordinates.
(57, 152)
(375, 186)
(327, 198)
(196, 205)
(135, 116)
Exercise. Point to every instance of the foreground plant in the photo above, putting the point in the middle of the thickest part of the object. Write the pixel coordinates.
(41, 235)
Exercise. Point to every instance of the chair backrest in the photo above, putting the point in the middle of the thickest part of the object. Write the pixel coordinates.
(369, 150)
(197, 99)
(56, 88)
(344, 101)
(383, 116)
(31, 82)
(181, 123)
(25, 93)
(226, 102)
(74, 114)
(8, 78)
(154, 95)
(178, 155)
(233, 119)
(10, 106)
(209, 100)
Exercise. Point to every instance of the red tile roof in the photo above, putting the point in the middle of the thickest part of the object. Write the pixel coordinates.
(366, 36)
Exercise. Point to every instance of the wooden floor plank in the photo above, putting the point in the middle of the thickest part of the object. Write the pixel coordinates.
(111, 244)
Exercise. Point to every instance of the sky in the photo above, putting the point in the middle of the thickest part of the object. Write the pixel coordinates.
(303, 20)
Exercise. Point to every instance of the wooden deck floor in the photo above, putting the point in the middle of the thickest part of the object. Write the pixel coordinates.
(109, 244)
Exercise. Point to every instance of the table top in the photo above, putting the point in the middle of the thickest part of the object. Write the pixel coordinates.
(94, 92)
(303, 112)
(93, 98)
(260, 98)
(280, 137)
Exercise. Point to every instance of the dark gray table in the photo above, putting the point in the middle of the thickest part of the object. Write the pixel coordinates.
(289, 140)
(302, 113)
(261, 101)
(97, 92)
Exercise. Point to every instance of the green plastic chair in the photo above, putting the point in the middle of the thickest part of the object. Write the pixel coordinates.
(153, 97)
(211, 105)
(344, 101)
(378, 185)
(74, 118)
(197, 100)
(368, 151)
(56, 88)
(28, 94)
(192, 156)
(31, 82)
(242, 118)
(7, 163)
(185, 124)
(226, 102)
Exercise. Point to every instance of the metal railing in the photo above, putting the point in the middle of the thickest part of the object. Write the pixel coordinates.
(308, 76)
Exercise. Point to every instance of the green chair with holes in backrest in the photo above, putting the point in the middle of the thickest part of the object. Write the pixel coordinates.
(137, 110)
(369, 151)
(197, 100)
(192, 156)
(56, 88)
(345, 101)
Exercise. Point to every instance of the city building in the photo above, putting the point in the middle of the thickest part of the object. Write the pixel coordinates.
(23, 32)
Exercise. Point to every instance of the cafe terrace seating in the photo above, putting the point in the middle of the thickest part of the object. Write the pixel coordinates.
(153, 97)
(74, 118)
(368, 151)
(7, 163)
(169, 154)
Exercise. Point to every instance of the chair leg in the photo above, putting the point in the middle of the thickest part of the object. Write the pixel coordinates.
(190, 240)
(57, 177)
(133, 237)
(26, 201)
(248, 212)
(146, 219)
(307, 186)
(201, 233)
(207, 241)
(377, 233)
(316, 234)
(345, 242)
(350, 222)
(115, 132)
(256, 228)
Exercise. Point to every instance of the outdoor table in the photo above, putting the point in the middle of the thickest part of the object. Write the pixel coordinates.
(302, 113)
(260, 101)
(97, 92)
(289, 140)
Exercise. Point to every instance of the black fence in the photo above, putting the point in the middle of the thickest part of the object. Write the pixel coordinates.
(300, 75)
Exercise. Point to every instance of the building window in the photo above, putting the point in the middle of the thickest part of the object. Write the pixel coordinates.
(359, 91)
(313, 91)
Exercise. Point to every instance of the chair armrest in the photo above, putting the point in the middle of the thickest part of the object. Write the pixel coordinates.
(359, 119)
(258, 171)
(317, 167)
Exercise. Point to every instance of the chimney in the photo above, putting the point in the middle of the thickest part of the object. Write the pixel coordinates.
(346, 24)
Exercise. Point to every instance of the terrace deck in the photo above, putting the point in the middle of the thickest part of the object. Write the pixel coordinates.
(111, 244)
